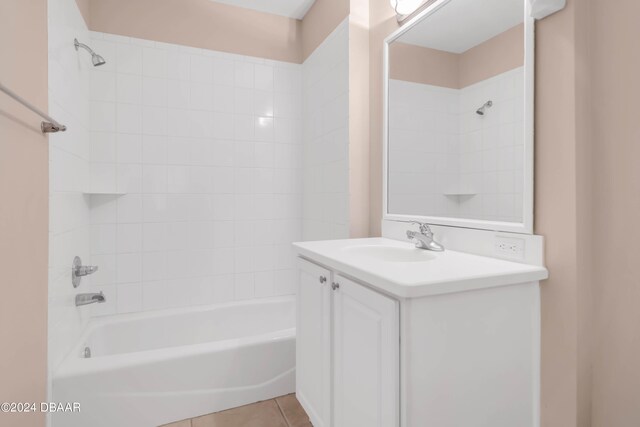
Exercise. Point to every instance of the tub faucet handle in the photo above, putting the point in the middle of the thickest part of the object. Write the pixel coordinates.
(78, 271)
(85, 270)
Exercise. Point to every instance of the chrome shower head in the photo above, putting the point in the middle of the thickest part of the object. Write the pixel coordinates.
(480, 111)
(96, 59)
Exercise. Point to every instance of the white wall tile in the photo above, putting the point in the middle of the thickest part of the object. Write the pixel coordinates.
(103, 86)
(154, 91)
(129, 119)
(73, 82)
(129, 238)
(129, 59)
(129, 297)
(129, 148)
(201, 69)
(129, 268)
(154, 266)
(154, 62)
(224, 73)
(129, 89)
(312, 147)
(475, 154)
(244, 74)
(191, 138)
(103, 116)
(103, 147)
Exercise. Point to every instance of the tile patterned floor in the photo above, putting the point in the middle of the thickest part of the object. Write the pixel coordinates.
(283, 411)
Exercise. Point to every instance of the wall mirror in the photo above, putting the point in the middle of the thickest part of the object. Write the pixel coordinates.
(459, 116)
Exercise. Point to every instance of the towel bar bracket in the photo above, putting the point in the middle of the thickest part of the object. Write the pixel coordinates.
(48, 127)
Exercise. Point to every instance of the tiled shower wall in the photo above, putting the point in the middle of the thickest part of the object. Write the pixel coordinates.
(200, 153)
(448, 160)
(325, 76)
(424, 148)
(68, 173)
(492, 148)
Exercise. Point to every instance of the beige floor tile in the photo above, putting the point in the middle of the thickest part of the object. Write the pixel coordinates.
(293, 412)
(261, 414)
(183, 423)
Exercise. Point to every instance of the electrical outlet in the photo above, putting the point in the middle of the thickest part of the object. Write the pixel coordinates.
(509, 247)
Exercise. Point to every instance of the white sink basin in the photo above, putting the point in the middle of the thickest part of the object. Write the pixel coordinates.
(390, 253)
(398, 268)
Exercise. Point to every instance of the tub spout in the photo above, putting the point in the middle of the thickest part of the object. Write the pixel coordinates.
(84, 299)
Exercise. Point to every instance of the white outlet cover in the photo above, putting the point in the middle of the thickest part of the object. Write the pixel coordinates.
(509, 247)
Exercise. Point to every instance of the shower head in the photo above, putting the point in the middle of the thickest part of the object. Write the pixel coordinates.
(480, 111)
(96, 59)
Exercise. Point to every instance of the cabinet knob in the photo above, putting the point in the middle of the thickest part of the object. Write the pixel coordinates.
(322, 279)
(335, 286)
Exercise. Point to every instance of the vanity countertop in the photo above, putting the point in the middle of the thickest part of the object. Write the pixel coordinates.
(399, 269)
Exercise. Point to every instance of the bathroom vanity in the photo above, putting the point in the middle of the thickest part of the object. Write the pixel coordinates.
(390, 335)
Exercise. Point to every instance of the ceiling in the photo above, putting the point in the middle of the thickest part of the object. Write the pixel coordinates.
(462, 24)
(290, 8)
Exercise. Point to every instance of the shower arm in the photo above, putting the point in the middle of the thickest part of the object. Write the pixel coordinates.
(77, 44)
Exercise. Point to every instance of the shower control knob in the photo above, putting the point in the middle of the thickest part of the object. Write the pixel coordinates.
(335, 286)
(322, 279)
(78, 271)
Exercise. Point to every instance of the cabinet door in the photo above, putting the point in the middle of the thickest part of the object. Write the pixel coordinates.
(366, 357)
(313, 343)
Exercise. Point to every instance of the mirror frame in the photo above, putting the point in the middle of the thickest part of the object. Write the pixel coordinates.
(524, 227)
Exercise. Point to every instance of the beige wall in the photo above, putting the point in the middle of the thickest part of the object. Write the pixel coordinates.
(556, 212)
(615, 69)
(591, 336)
(382, 22)
(358, 118)
(323, 17)
(424, 65)
(23, 210)
(210, 25)
(85, 9)
(501, 53)
(497, 55)
(555, 196)
(201, 23)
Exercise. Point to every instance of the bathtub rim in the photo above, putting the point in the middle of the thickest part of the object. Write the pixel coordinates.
(75, 365)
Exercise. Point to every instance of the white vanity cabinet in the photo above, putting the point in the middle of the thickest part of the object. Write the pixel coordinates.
(365, 350)
(313, 346)
(347, 351)
(441, 340)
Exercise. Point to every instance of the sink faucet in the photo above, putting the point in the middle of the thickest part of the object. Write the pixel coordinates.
(424, 238)
(84, 299)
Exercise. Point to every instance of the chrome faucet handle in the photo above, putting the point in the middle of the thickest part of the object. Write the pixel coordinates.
(424, 239)
(78, 271)
(85, 270)
(424, 228)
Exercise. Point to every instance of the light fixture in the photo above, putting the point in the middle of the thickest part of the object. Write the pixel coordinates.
(404, 8)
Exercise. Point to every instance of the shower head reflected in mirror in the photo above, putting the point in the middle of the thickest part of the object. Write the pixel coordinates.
(96, 59)
(480, 111)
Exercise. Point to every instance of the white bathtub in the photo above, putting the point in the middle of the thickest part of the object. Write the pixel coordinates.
(149, 369)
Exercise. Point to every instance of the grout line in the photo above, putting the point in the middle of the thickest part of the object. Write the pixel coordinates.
(282, 412)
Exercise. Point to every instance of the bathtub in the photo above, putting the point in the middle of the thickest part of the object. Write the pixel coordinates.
(148, 369)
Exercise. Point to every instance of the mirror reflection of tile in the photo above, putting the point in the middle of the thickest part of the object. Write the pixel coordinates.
(456, 118)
